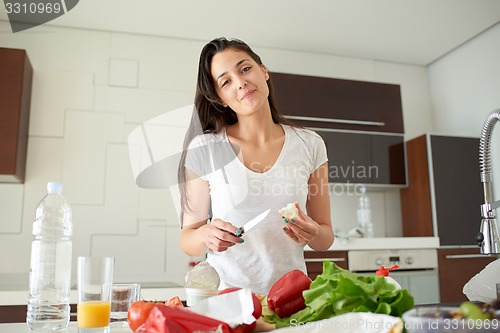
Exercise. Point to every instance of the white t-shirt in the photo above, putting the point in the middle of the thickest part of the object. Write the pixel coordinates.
(239, 194)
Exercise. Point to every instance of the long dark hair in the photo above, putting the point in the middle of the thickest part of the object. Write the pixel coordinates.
(210, 115)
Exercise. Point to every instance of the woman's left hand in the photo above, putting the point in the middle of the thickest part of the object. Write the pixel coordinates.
(301, 229)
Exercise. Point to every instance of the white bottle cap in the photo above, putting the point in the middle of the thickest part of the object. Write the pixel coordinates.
(361, 189)
(54, 187)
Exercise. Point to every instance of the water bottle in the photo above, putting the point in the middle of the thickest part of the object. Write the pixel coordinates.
(50, 266)
(364, 213)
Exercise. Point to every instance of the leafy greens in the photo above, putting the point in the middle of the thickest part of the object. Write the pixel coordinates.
(337, 291)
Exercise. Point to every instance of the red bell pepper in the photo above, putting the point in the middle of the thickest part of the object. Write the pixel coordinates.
(285, 297)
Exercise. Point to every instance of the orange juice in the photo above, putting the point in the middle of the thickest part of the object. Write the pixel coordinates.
(93, 314)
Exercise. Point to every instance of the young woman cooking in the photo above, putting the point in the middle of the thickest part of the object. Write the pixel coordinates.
(242, 158)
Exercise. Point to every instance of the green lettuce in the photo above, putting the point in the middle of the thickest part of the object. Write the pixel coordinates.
(337, 291)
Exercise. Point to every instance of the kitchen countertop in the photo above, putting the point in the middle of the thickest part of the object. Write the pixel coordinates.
(23, 328)
(346, 323)
(20, 297)
(383, 243)
(15, 296)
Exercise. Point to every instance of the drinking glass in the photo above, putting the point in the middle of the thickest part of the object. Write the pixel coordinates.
(95, 280)
(122, 297)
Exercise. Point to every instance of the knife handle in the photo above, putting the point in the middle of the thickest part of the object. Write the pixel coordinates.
(242, 232)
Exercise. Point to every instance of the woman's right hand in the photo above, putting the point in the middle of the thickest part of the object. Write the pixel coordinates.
(219, 235)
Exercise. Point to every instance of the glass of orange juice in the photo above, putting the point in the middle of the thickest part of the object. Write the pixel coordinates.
(95, 281)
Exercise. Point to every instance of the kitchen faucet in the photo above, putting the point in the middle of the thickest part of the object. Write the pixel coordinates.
(487, 237)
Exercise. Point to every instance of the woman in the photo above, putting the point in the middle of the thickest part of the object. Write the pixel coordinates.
(248, 160)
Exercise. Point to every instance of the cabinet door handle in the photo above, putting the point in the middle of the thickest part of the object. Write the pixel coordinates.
(323, 259)
(465, 256)
(338, 121)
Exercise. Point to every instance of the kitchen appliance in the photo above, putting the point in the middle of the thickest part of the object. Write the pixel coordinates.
(417, 272)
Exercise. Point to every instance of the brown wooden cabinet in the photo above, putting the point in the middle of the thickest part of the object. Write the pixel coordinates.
(416, 207)
(338, 103)
(366, 158)
(17, 313)
(456, 267)
(360, 122)
(15, 95)
(443, 199)
(444, 192)
(314, 261)
(12, 314)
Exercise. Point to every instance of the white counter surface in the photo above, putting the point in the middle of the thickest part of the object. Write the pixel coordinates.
(16, 297)
(20, 297)
(72, 328)
(384, 243)
(355, 322)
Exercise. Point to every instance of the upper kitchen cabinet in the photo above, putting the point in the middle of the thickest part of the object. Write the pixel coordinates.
(360, 122)
(444, 190)
(341, 104)
(15, 95)
(365, 158)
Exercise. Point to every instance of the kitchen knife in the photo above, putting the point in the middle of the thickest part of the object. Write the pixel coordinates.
(253, 222)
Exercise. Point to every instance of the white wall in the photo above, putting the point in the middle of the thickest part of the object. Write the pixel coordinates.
(465, 89)
(90, 90)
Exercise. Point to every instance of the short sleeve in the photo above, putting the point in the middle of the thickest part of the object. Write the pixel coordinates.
(197, 156)
(320, 155)
(207, 154)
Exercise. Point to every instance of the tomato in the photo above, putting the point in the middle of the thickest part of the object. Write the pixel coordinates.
(174, 301)
(138, 313)
(257, 306)
(245, 328)
(155, 322)
(257, 311)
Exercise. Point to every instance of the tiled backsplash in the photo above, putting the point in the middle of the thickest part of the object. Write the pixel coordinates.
(385, 206)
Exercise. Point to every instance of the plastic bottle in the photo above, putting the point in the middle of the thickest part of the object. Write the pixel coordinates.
(382, 271)
(364, 213)
(50, 266)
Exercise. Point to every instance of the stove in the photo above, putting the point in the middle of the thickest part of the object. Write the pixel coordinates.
(417, 272)
(408, 259)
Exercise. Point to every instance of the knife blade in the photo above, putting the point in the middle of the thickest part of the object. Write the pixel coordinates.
(253, 222)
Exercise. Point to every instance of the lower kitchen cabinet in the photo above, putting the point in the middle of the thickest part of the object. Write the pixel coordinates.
(17, 313)
(314, 261)
(456, 267)
(12, 314)
(423, 285)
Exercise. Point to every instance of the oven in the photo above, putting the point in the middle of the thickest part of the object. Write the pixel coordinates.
(417, 272)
